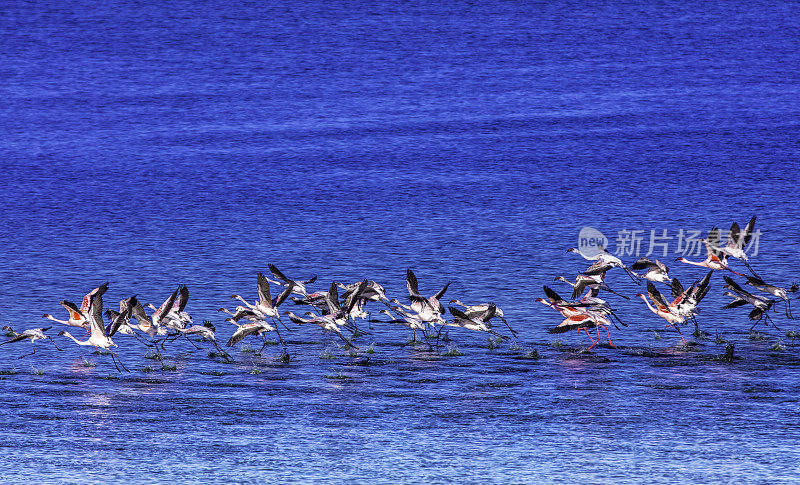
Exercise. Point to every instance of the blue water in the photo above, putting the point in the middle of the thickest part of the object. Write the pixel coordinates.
(194, 143)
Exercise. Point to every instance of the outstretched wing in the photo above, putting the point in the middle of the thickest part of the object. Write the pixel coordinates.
(263, 289)
(411, 283)
(747, 234)
(439, 294)
(277, 273)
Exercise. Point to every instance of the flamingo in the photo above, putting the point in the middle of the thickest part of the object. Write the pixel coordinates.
(742, 297)
(418, 302)
(475, 311)
(656, 270)
(100, 337)
(773, 290)
(662, 309)
(32, 334)
(737, 240)
(715, 259)
(298, 286)
(76, 317)
(325, 322)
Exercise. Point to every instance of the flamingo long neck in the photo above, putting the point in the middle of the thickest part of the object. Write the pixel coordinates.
(51, 317)
(85, 342)
(652, 309)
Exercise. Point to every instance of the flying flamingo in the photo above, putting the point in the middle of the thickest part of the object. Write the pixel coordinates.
(32, 334)
(662, 309)
(715, 259)
(100, 337)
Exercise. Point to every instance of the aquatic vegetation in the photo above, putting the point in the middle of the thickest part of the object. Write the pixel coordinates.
(792, 335)
(353, 353)
(255, 371)
(720, 340)
(8, 372)
(778, 346)
(89, 363)
(101, 352)
(337, 375)
(370, 349)
(246, 349)
(168, 367)
(657, 335)
(700, 334)
(37, 371)
(557, 344)
(452, 351)
(326, 354)
(147, 368)
(532, 354)
(153, 355)
(285, 357)
(757, 336)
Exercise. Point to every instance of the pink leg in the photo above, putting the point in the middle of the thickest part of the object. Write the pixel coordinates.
(609, 338)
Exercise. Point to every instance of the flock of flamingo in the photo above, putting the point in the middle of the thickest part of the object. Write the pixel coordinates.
(336, 313)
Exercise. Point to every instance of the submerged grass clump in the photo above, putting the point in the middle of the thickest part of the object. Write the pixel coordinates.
(327, 355)
(152, 355)
(89, 363)
(168, 367)
(557, 344)
(657, 335)
(778, 346)
(452, 351)
(285, 357)
(353, 353)
(757, 336)
(255, 371)
(792, 335)
(336, 375)
(246, 349)
(370, 349)
(533, 354)
(8, 372)
(147, 368)
(37, 371)
(720, 340)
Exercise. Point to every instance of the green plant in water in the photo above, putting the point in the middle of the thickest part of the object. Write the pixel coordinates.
(89, 363)
(147, 368)
(452, 351)
(778, 347)
(255, 371)
(37, 371)
(657, 335)
(757, 336)
(533, 354)
(169, 367)
(370, 349)
(8, 372)
(285, 357)
(337, 375)
(720, 340)
(557, 344)
(326, 354)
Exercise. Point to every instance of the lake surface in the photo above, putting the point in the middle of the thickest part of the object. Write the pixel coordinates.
(151, 146)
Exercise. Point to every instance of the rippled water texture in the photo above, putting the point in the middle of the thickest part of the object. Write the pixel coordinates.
(194, 143)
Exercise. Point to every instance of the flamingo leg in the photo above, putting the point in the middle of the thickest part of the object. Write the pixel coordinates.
(609, 338)
(54, 344)
(34, 351)
(588, 335)
(115, 359)
(190, 341)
